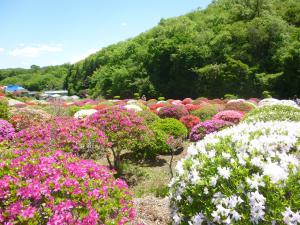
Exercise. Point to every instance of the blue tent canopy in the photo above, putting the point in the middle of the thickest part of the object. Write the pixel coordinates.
(13, 88)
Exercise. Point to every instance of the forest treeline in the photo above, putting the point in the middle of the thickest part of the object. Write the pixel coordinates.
(241, 47)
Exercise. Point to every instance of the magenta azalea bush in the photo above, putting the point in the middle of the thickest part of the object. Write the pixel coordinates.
(125, 130)
(230, 116)
(199, 131)
(67, 134)
(53, 187)
(7, 131)
(173, 111)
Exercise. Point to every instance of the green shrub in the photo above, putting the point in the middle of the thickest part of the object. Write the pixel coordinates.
(148, 116)
(266, 94)
(4, 110)
(73, 109)
(117, 97)
(161, 99)
(230, 96)
(136, 96)
(273, 113)
(171, 127)
(206, 112)
(159, 145)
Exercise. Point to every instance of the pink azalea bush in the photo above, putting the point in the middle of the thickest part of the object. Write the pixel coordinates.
(199, 131)
(7, 131)
(230, 116)
(174, 111)
(53, 187)
(67, 134)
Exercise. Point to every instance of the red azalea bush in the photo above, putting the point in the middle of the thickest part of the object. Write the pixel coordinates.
(187, 101)
(174, 111)
(190, 121)
(199, 131)
(67, 134)
(52, 187)
(25, 117)
(155, 106)
(230, 116)
(100, 107)
(191, 107)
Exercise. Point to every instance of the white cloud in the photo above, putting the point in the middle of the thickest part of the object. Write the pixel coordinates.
(1, 49)
(34, 51)
(124, 24)
(75, 59)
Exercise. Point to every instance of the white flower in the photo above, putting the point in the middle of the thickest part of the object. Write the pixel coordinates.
(176, 219)
(133, 107)
(226, 156)
(213, 181)
(291, 218)
(192, 150)
(205, 191)
(275, 172)
(84, 113)
(216, 216)
(198, 219)
(257, 203)
(224, 172)
(235, 215)
(179, 168)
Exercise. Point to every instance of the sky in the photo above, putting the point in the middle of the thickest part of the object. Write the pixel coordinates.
(53, 32)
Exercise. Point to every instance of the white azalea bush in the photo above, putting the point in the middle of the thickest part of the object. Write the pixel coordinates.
(273, 113)
(274, 101)
(247, 174)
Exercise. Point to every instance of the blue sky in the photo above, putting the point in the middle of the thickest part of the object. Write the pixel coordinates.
(50, 32)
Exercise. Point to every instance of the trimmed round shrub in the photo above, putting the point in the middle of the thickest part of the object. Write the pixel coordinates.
(240, 105)
(189, 121)
(171, 127)
(160, 143)
(229, 116)
(199, 131)
(206, 112)
(4, 111)
(273, 113)
(148, 116)
(248, 174)
(7, 131)
(174, 111)
(52, 187)
(25, 117)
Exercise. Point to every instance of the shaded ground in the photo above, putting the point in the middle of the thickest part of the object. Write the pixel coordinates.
(151, 189)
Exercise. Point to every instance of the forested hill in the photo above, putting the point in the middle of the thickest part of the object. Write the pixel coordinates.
(36, 78)
(241, 47)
